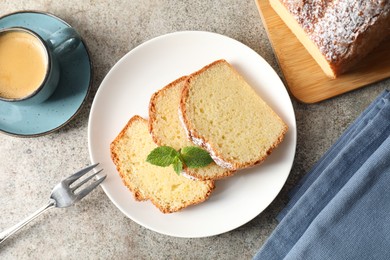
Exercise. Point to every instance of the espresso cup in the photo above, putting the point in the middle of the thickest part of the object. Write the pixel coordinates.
(29, 67)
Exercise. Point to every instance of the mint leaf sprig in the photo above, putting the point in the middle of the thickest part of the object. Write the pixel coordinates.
(190, 156)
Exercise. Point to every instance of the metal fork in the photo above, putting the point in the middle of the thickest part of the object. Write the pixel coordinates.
(63, 195)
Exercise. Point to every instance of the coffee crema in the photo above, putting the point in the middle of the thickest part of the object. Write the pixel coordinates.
(23, 64)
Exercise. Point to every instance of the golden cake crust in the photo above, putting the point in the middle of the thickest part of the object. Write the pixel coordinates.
(343, 31)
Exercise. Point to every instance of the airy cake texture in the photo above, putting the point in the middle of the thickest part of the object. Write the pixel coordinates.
(222, 113)
(166, 128)
(337, 33)
(167, 190)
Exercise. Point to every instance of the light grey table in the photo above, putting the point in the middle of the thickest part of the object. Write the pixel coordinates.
(95, 228)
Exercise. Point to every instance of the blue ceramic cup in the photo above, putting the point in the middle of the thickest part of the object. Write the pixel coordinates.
(29, 67)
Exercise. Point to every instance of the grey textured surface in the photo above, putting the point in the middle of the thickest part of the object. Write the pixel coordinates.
(95, 228)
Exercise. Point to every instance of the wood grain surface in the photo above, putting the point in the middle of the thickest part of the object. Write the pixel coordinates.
(303, 76)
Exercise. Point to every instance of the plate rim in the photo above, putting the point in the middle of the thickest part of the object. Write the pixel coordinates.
(118, 64)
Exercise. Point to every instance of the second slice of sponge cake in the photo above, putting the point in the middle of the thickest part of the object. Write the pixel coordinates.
(166, 128)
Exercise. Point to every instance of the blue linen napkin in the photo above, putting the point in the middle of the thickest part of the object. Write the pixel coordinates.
(341, 208)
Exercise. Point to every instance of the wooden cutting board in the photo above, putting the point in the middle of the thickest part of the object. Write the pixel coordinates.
(304, 78)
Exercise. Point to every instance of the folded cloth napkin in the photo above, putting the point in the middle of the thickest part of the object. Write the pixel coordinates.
(341, 208)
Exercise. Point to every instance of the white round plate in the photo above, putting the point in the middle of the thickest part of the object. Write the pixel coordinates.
(126, 91)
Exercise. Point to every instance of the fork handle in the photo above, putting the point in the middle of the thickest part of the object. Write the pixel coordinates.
(10, 231)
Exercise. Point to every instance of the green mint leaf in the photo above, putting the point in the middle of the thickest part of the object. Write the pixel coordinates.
(178, 166)
(163, 156)
(195, 157)
(191, 156)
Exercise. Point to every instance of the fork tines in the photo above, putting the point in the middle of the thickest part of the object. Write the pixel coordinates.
(73, 178)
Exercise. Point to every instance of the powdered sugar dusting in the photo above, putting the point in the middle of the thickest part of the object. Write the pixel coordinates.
(216, 159)
(184, 174)
(201, 143)
(333, 25)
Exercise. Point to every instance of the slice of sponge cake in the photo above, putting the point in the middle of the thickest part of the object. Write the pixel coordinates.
(222, 113)
(167, 190)
(166, 128)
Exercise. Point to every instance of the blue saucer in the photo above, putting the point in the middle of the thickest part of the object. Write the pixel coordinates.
(72, 90)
